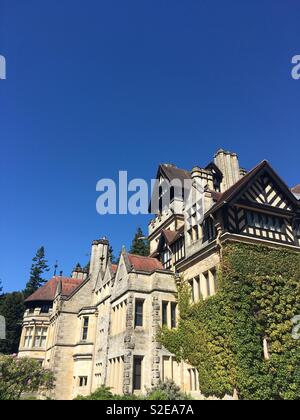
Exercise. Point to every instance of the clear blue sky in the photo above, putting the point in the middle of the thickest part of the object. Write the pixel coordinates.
(98, 86)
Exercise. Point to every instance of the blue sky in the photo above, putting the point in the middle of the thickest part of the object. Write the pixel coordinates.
(96, 87)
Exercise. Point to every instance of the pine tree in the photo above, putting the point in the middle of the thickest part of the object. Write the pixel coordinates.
(38, 268)
(140, 245)
(111, 256)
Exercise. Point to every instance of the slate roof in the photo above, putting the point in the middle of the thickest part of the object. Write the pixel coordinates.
(172, 235)
(147, 264)
(172, 172)
(47, 292)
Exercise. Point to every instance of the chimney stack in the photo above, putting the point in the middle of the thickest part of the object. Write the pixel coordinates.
(204, 176)
(228, 164)
(79, 273)
(99, 257)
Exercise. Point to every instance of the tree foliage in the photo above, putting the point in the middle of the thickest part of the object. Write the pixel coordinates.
(38, 268)
(111, 256)
(22, 376)
(140, 245)
(12, 308)
(223, 336)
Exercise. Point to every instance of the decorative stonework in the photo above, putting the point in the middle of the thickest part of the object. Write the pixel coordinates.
(156, 346)
(129, 345)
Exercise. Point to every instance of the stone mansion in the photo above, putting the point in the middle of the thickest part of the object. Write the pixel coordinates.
(100, 327)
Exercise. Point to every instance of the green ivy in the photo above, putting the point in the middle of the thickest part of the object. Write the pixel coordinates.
(259, 294)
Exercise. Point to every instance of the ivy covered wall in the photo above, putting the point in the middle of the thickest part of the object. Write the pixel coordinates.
(223, 336)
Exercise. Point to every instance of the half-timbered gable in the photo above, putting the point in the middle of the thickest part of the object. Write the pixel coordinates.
(264, 191)
(262, 206)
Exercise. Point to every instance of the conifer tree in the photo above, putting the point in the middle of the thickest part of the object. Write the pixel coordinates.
(38, 268)
(140, 245)
(111, 256)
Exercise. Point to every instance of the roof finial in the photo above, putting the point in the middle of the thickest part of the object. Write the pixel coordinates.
(55, 268)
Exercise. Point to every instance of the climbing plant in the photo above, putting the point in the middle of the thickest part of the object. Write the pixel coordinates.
(241, 339)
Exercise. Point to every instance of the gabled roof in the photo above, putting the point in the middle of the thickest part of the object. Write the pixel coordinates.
(230, 193)
(146, 264)
(47, 292)
(242, 184)
(171, 172)
(171, 236)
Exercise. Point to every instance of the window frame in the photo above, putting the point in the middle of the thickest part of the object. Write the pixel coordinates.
(83, 381)
(85, 328)
(139, 316)
(164, 313)
(137, 376)
(40, 337)
(173, 315)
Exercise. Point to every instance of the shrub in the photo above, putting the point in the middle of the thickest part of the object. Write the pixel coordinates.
(166, 391)
(22, 376)
(102, 393)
